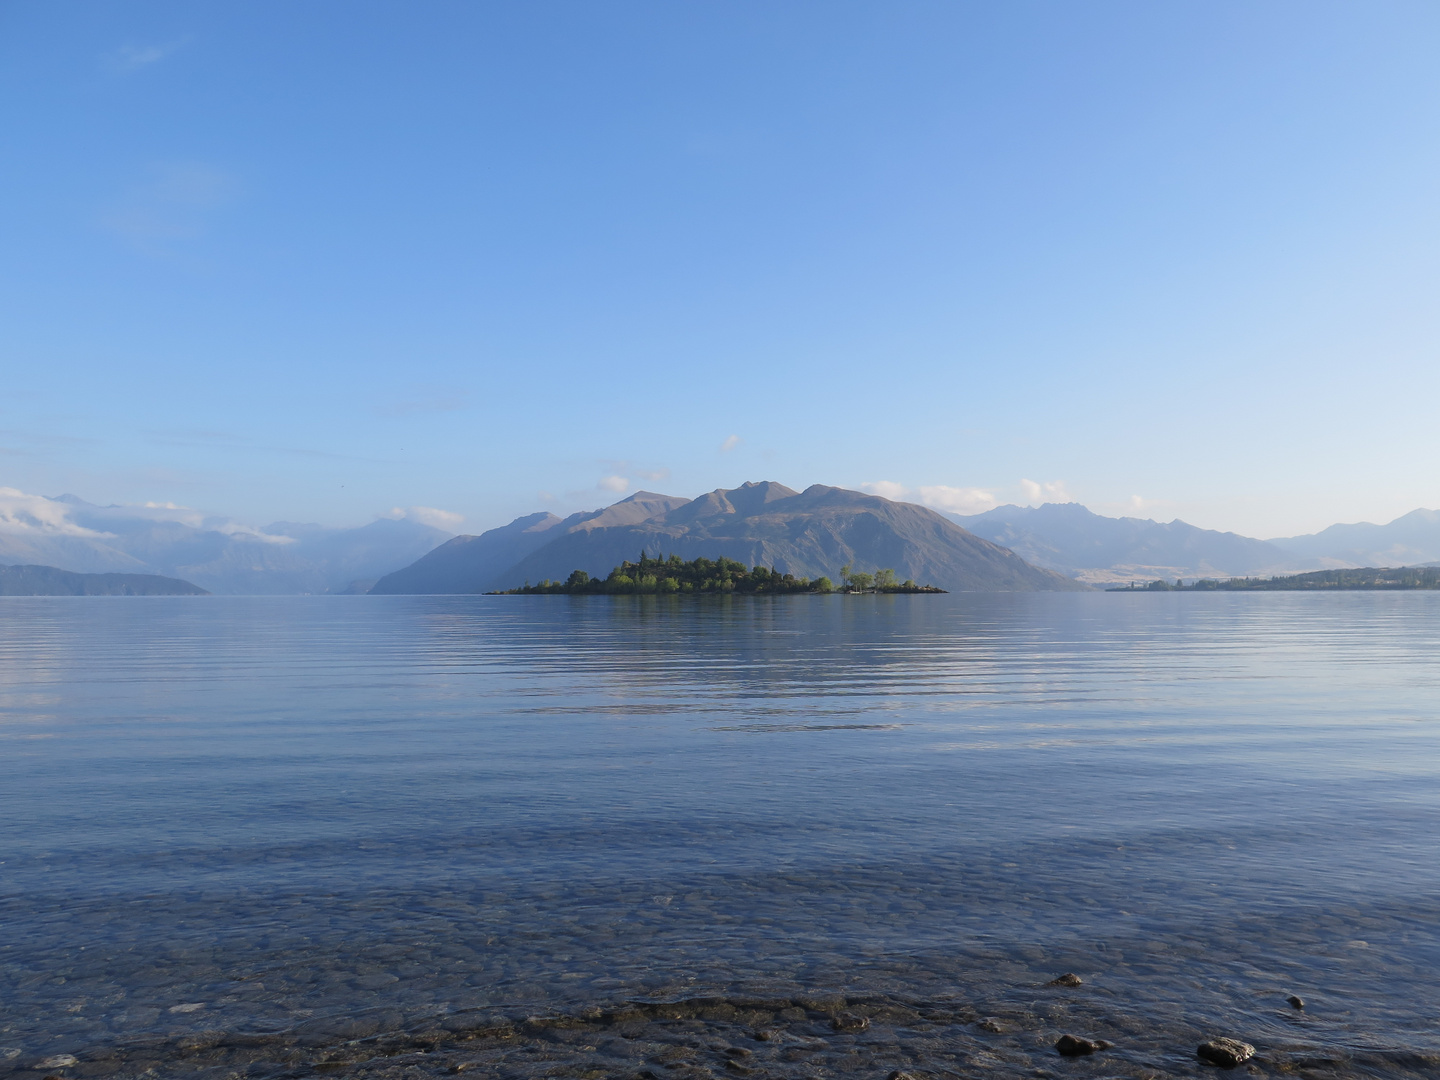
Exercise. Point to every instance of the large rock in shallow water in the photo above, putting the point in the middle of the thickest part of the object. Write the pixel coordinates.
(1227, 1053)
(1074, 1046)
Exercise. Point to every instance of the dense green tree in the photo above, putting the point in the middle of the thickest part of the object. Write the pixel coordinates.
(673, 575)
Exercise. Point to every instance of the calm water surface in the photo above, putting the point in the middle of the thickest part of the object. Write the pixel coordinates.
(601, 836)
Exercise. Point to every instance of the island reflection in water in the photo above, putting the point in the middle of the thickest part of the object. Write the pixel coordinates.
(796, 836)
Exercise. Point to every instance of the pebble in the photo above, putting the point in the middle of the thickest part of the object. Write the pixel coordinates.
(1227, 1053)
(1074, 1046)
(1296, 1001)
(1068, 979)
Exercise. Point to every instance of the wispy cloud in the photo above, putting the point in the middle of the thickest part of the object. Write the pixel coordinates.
(442, 400)
(886, 489)
(427, 515)
(951, 500)
(958, 500)
(620, 475)
(131, 57)
(730, 443)
(24, 513)
(1051, 491)
(175, 203)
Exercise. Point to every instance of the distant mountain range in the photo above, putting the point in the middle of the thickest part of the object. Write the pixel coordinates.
(809, 534)
(48, 581)
(1407, 541)
(1068, 538)
(216, 553)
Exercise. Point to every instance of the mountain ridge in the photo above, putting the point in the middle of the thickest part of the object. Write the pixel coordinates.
(33, 580)
(1072, 539)
(808, 534)
(214, 552)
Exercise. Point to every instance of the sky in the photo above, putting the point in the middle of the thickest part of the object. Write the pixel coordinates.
(314, 262)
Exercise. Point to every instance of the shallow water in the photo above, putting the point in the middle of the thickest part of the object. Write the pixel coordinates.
(596, 836)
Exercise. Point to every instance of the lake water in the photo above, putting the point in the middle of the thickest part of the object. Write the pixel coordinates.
(651, 838)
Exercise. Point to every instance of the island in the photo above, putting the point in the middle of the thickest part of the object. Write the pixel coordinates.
(720, 575)
(1404, 577)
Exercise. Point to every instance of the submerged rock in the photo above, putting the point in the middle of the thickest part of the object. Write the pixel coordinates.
(850, 1022)
(1074, 1046)
(1296, 1001)
(1068, 979)
(1227, 1053)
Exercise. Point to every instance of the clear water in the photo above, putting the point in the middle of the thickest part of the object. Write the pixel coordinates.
(626, 836)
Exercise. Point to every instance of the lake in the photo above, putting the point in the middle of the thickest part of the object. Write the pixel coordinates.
(654, 837)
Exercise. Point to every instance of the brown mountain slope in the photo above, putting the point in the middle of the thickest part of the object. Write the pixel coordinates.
(809, 534)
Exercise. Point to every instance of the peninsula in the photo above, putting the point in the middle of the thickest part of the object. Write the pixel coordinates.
(1404, 577)
(722, 575)
(50, 581)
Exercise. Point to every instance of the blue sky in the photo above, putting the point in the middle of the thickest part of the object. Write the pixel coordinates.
(314, 261)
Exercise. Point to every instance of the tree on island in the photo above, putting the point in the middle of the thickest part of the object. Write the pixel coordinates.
(672, 575)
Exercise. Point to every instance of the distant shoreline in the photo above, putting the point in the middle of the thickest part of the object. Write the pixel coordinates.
(1362, 579)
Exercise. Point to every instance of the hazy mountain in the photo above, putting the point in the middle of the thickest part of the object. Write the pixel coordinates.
(1406, 541)
(472, 564)
(809, 534)
(49, 581)
(1068, 538)
(216, 553)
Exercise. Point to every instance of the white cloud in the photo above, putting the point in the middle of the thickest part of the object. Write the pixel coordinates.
(22, 513)
(652, 474)
(187, 516)
(427, 515)
(886, 489)
(129, 58)
(613, 483)
(951, 500)
(235, 530)
(1053, 491)
(958, 500)
(731, 441)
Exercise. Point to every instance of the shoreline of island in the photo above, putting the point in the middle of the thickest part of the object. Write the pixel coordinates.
(672, 576)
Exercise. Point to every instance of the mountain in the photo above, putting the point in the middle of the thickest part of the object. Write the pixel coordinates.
(470, 564)
(1068, 538)
(1406, 541)
(216, 553)
(809, 534)
(48, 581)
